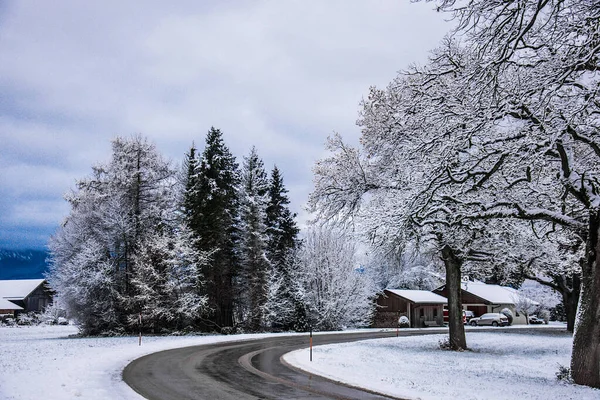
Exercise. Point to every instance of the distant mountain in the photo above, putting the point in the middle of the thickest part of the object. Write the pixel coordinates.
(23, 264)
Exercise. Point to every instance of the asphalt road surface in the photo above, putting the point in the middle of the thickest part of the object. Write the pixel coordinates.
(243, 370)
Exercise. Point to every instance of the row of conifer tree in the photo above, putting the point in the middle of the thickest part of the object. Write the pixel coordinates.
(209, 246)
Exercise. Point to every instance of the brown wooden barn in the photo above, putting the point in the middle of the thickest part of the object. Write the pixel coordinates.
(421, 307)
(28, 294)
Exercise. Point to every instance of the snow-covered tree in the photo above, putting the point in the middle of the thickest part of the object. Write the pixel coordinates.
(86, 282)
(406, 270)
(524, 305)
(282, 230)
(167, 282)
(536, 63)
(188, 185)
(254, 264)
(95, 255)
(385, 194)
(336, 294)
(553, 260)
(211, 209)
(283, 310)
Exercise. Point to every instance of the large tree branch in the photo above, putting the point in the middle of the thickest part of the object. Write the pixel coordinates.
(515, 210)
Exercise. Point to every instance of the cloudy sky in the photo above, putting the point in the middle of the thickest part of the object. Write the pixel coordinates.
(280, 75)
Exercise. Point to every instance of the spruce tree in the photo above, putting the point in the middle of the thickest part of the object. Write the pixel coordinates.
(189, 183)
(285, 310)
(212, 208)
(253, 246)
(282, 230)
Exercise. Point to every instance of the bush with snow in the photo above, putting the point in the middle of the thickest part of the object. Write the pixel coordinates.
(404, 322)
(30, 318)
(52, 313)
(8, 320)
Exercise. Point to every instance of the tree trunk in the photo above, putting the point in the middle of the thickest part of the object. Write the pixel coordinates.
(569, 288)
(585, 360)
(458, 340)
(571, 300)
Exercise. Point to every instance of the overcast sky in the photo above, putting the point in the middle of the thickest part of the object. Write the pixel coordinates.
(280, 75)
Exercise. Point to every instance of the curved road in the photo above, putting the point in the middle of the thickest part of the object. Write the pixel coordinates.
(243, 370)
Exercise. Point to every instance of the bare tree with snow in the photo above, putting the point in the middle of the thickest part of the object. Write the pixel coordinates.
(122, 251)
(335, 292)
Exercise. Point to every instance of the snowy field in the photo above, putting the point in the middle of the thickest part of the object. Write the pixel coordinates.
(40, 362)
(501, 365)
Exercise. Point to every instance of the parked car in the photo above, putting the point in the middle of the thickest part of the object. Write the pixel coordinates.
(493, 319)
(533, 319)
(467, 316)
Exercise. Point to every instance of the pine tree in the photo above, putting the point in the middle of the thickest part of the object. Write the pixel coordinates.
(254, 240)
(189, 184)
(281, 226)
(212, 211)
(285, 311)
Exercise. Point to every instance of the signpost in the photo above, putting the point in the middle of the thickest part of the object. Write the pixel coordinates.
(140, 323)
(311, 343)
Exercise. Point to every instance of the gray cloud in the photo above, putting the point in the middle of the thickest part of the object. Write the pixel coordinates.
(281, 75)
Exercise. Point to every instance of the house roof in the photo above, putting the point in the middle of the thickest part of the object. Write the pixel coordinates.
(419, 296)
(18, 289)
(7, 305)
(493, 293)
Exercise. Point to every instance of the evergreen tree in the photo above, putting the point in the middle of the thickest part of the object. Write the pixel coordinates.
(211, 207)
(167, 281)
(282, 230)
(254, 240)
(284, 309)
(189, 183)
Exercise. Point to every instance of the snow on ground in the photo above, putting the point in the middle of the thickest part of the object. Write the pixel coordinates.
(41, 362)
(515, 365)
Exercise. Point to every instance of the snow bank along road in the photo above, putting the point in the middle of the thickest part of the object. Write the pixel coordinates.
(245, 370)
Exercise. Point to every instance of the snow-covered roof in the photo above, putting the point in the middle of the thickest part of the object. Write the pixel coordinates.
(493, 293)
(419, 296)
(7, 305)
(18, 289)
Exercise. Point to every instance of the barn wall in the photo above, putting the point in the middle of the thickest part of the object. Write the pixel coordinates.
(389, 309)
(38, 300)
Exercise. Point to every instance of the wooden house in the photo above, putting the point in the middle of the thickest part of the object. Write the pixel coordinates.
(421, 307)
(27, 294)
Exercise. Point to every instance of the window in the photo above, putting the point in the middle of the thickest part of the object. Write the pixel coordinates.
(435, 312)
